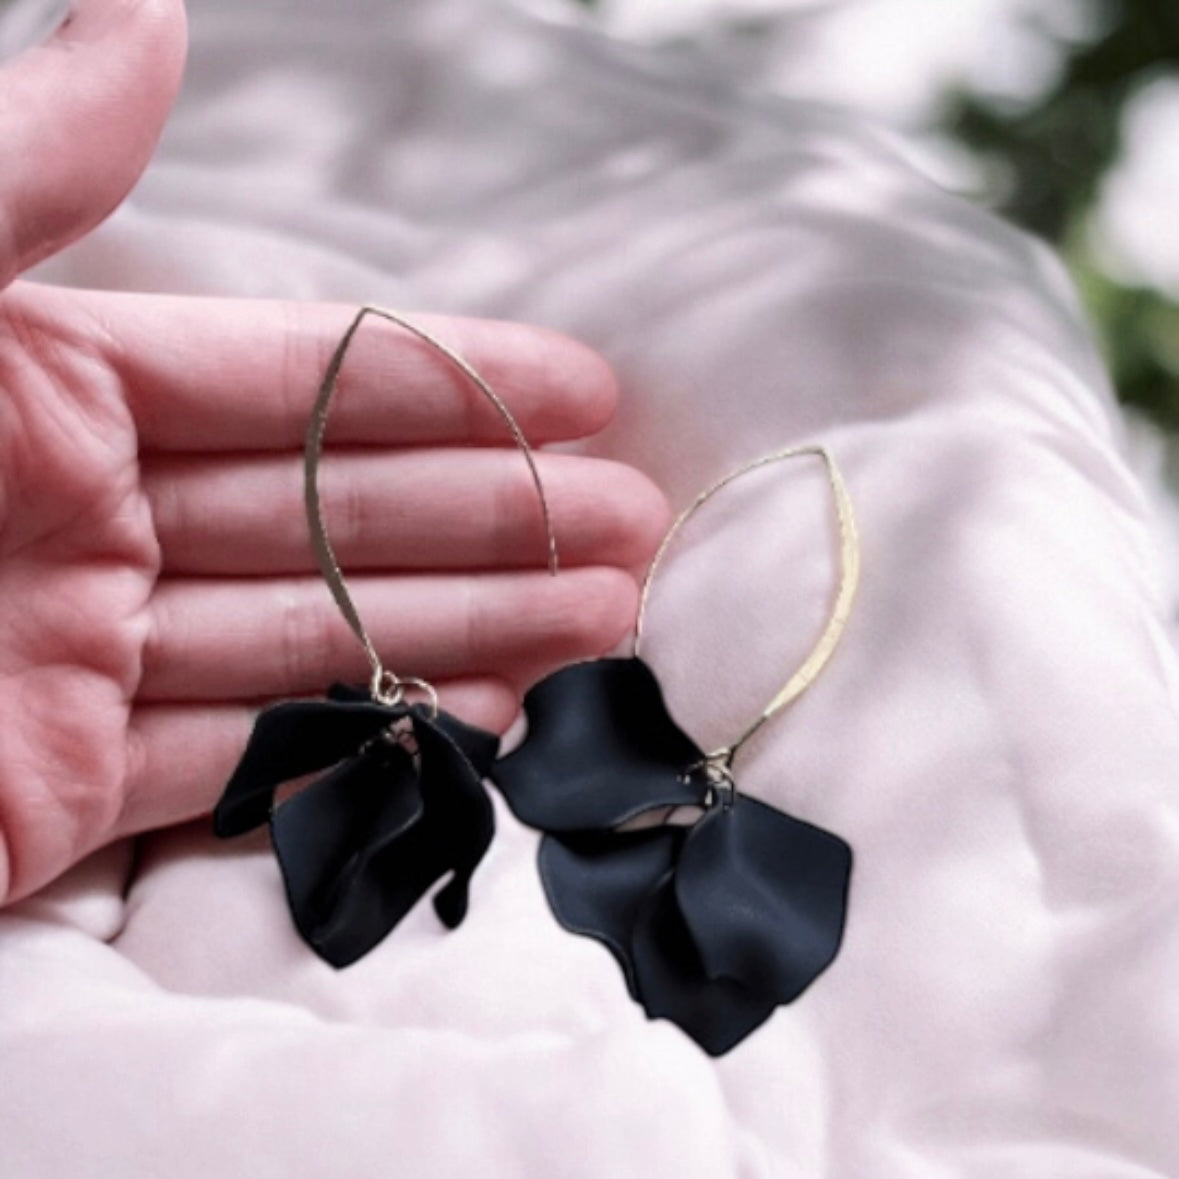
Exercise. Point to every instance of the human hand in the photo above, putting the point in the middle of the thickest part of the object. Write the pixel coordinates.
(156, 579)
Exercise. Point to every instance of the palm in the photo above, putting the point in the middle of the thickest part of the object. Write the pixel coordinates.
(78, 562)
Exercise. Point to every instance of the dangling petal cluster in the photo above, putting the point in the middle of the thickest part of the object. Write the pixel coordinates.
(714, 924)
(401, 804)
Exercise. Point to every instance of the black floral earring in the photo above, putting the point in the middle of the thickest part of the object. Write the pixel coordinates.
(715, 923)
(402, 802)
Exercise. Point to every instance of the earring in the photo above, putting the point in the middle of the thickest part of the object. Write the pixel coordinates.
(402, 802)
(716, 923)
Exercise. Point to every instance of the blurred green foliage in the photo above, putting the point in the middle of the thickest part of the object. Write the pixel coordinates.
(1050, 155)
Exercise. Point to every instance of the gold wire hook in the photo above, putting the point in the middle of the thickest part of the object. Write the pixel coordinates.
(384, 686)
(849, 580)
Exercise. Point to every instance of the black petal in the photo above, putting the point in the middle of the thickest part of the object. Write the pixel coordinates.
(336, 841)
(763, 896)
(478, 746)
(601, 749)
(290, 739)
(718, 1013)
(458, 822)
(714, 925)
(360, 846)
(596, 881)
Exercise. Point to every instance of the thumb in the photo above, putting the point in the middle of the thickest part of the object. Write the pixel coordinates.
(79, 118)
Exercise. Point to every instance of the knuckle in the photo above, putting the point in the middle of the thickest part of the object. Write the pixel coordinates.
(306, 353)
(346, 512)
(152, 653)
(517, 514)
(303, 638)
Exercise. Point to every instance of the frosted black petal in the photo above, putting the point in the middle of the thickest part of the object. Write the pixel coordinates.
(601, 749)
(714, 924)
(401, 806)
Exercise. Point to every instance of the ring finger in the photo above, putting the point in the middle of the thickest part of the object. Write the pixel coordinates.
(244, 639)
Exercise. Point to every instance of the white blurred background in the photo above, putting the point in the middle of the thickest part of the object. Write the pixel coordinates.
(1062, 115)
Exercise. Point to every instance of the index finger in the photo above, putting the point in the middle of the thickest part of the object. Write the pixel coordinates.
(205, 374)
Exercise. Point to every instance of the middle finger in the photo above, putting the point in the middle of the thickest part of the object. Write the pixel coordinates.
(403, 509)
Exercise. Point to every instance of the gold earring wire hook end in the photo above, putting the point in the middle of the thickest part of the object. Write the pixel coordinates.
(717, 770)
(389, 689)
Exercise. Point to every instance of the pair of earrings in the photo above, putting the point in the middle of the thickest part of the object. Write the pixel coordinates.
(714, 921)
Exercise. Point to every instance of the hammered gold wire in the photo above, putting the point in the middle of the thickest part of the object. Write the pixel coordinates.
(385, 686)
(721, 759)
